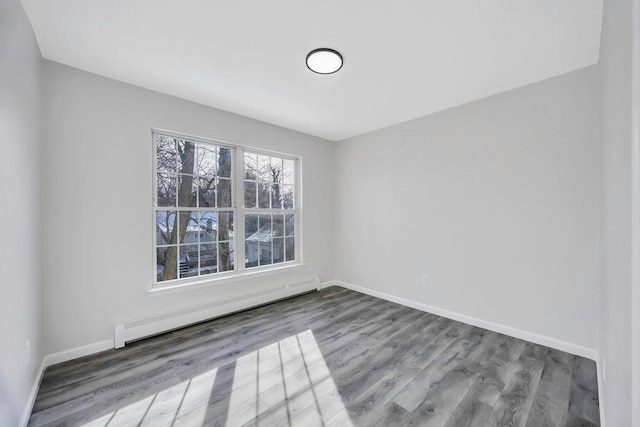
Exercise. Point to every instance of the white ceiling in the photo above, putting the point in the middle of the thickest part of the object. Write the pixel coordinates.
(403, 59)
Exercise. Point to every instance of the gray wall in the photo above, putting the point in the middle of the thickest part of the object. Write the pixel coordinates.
(98, 172)
(496, 200)
(20, 261)
(615, 224)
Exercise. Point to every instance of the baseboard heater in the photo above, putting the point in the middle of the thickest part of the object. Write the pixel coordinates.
(164, 322)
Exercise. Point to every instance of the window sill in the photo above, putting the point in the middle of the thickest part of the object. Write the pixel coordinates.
(157, 289)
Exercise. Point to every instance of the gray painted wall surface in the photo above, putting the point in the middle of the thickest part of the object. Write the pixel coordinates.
(615, 213)
(496, 200)
(20, 260)
(98, 172)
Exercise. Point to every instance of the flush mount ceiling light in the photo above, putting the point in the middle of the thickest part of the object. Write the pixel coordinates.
(324, 60)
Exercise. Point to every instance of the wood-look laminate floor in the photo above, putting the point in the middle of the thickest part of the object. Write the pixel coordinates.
(334, 358)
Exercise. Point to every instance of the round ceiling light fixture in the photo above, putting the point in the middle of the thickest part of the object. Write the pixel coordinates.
(324, 60)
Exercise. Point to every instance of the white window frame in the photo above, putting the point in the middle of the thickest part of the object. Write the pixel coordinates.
(239, 212)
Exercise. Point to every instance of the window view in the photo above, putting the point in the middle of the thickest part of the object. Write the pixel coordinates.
(196, 214)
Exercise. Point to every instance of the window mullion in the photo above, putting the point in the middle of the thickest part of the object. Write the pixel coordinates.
(239, 231)
(297, 203)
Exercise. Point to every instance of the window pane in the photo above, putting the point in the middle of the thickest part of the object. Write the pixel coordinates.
(207, 192)
(275, 196)
(264, 195)
(207, 169)
(208, 226)
(250, 226)
(276, 169)
(250, 166)
(289, 224)
(264, 226)
(264, 237)
(188, 261)
(186, 157)
(225, 253)
(166, 189)
(224, 193)
(165, 228)
(250, 191)
(166, 154)
(225, 226)
(278, 250)
(252, 256)
(224, 162)
(189, 227)
(207, 161)
(287, 172)
(208, 258)
(286, 193)
(265, 252)
(278, 225)
(253, 234)
(264, 168)
(290, 249)
(187, 188)
(166, 264)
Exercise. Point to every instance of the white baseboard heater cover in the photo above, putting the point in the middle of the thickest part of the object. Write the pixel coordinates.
(155, 324)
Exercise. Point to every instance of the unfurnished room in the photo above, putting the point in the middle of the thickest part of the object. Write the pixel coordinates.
(338, 213)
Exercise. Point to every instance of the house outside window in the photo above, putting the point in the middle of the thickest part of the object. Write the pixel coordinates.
(203, 230)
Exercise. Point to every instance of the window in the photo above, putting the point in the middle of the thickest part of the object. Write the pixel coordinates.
(202, 228)
(269, 210)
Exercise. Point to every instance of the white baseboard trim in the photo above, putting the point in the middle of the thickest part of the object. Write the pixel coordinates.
(53, 359)
(75, 353)
(485, 324)
(326, 284)
(32, 395)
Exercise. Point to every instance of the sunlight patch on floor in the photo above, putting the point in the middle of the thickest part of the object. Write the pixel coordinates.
(292, 383)
(284, 382)
(189, 396)
(196, 397)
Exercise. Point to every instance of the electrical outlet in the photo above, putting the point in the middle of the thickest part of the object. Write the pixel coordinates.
(425, 280)
(28, 351)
